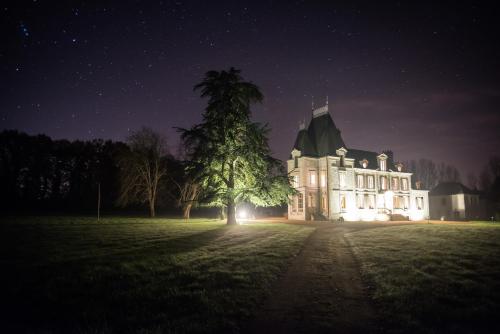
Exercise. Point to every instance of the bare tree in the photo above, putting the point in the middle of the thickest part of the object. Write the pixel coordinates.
(489, 173)
(424, 170)
(143, 167)
(472, 180)
(448, 173)
(189, 192)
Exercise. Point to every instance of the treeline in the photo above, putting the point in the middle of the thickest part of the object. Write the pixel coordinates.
(227, 161)
(430, 173)
(487, 182)
(39, 174)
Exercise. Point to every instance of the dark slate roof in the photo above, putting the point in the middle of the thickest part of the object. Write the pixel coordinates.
(451, 188)
(359, 155)
(304, 144)
(325, 135)
(322, 138)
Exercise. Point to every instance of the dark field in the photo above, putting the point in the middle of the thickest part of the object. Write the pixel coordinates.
(138, 275)
(433, 278)
(125, 275)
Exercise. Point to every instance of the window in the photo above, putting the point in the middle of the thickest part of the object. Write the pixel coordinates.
(342, 179)
(397, 202)
(420, 203)
(296, 162)
(342, 202)
(294, 204)
(360, 181)
(370, 201)
(406, 202)
(312, 178)
(383, 165)
(312, 200)
(404, 183)
(395, 183)
(383, 182)
(371, 182)
(323, 202)
(360, 201)
(301, 202)
(322, 179)
(295, 181)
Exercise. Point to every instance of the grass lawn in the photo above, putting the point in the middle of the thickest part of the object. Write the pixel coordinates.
(433, 278)
(72, 274)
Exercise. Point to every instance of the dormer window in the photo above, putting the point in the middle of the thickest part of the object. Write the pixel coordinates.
(383, 165)
(364, 163)
(399, 166)
(382, 161)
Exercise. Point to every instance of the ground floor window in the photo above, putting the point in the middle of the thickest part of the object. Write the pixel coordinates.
(312, 200)
(323, 202)
(342, 202)
(301, 202)
(420, 203)
(370, 201)
(406, 202)
(360, 201)
(397, 202)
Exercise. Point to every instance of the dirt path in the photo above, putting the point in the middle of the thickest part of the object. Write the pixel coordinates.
(322, 291)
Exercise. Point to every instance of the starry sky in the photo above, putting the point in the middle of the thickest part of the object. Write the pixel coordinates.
(421, 79)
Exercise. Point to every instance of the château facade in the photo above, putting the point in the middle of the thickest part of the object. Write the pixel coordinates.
(339, 183)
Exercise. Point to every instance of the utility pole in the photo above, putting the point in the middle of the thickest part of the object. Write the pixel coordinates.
(98, 201)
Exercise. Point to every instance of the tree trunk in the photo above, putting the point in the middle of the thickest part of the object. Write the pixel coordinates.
(231, 212)
(186, 210)
(152, 209)
(231, 207)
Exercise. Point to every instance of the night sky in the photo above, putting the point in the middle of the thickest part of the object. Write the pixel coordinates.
(422, 79)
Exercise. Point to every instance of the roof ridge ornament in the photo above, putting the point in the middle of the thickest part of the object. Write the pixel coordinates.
(320, 111)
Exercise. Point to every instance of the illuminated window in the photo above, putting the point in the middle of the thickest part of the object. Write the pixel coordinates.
(322, 179)
(295, 181)
(371, 182)
(360, 201)
(383, 182)
(420, 203)
(404, 183)
(342, 179)
(312, 200)
(294, 203)
(406, 202)
(301, 202)
(312, 178)
(360, 181)
(370, 201)
(383, 165)
(395, 183)
(323, 202)
(342, 202)
(396, 202)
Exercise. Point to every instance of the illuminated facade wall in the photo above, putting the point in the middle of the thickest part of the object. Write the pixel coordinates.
(330, 191)
(337, 186)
